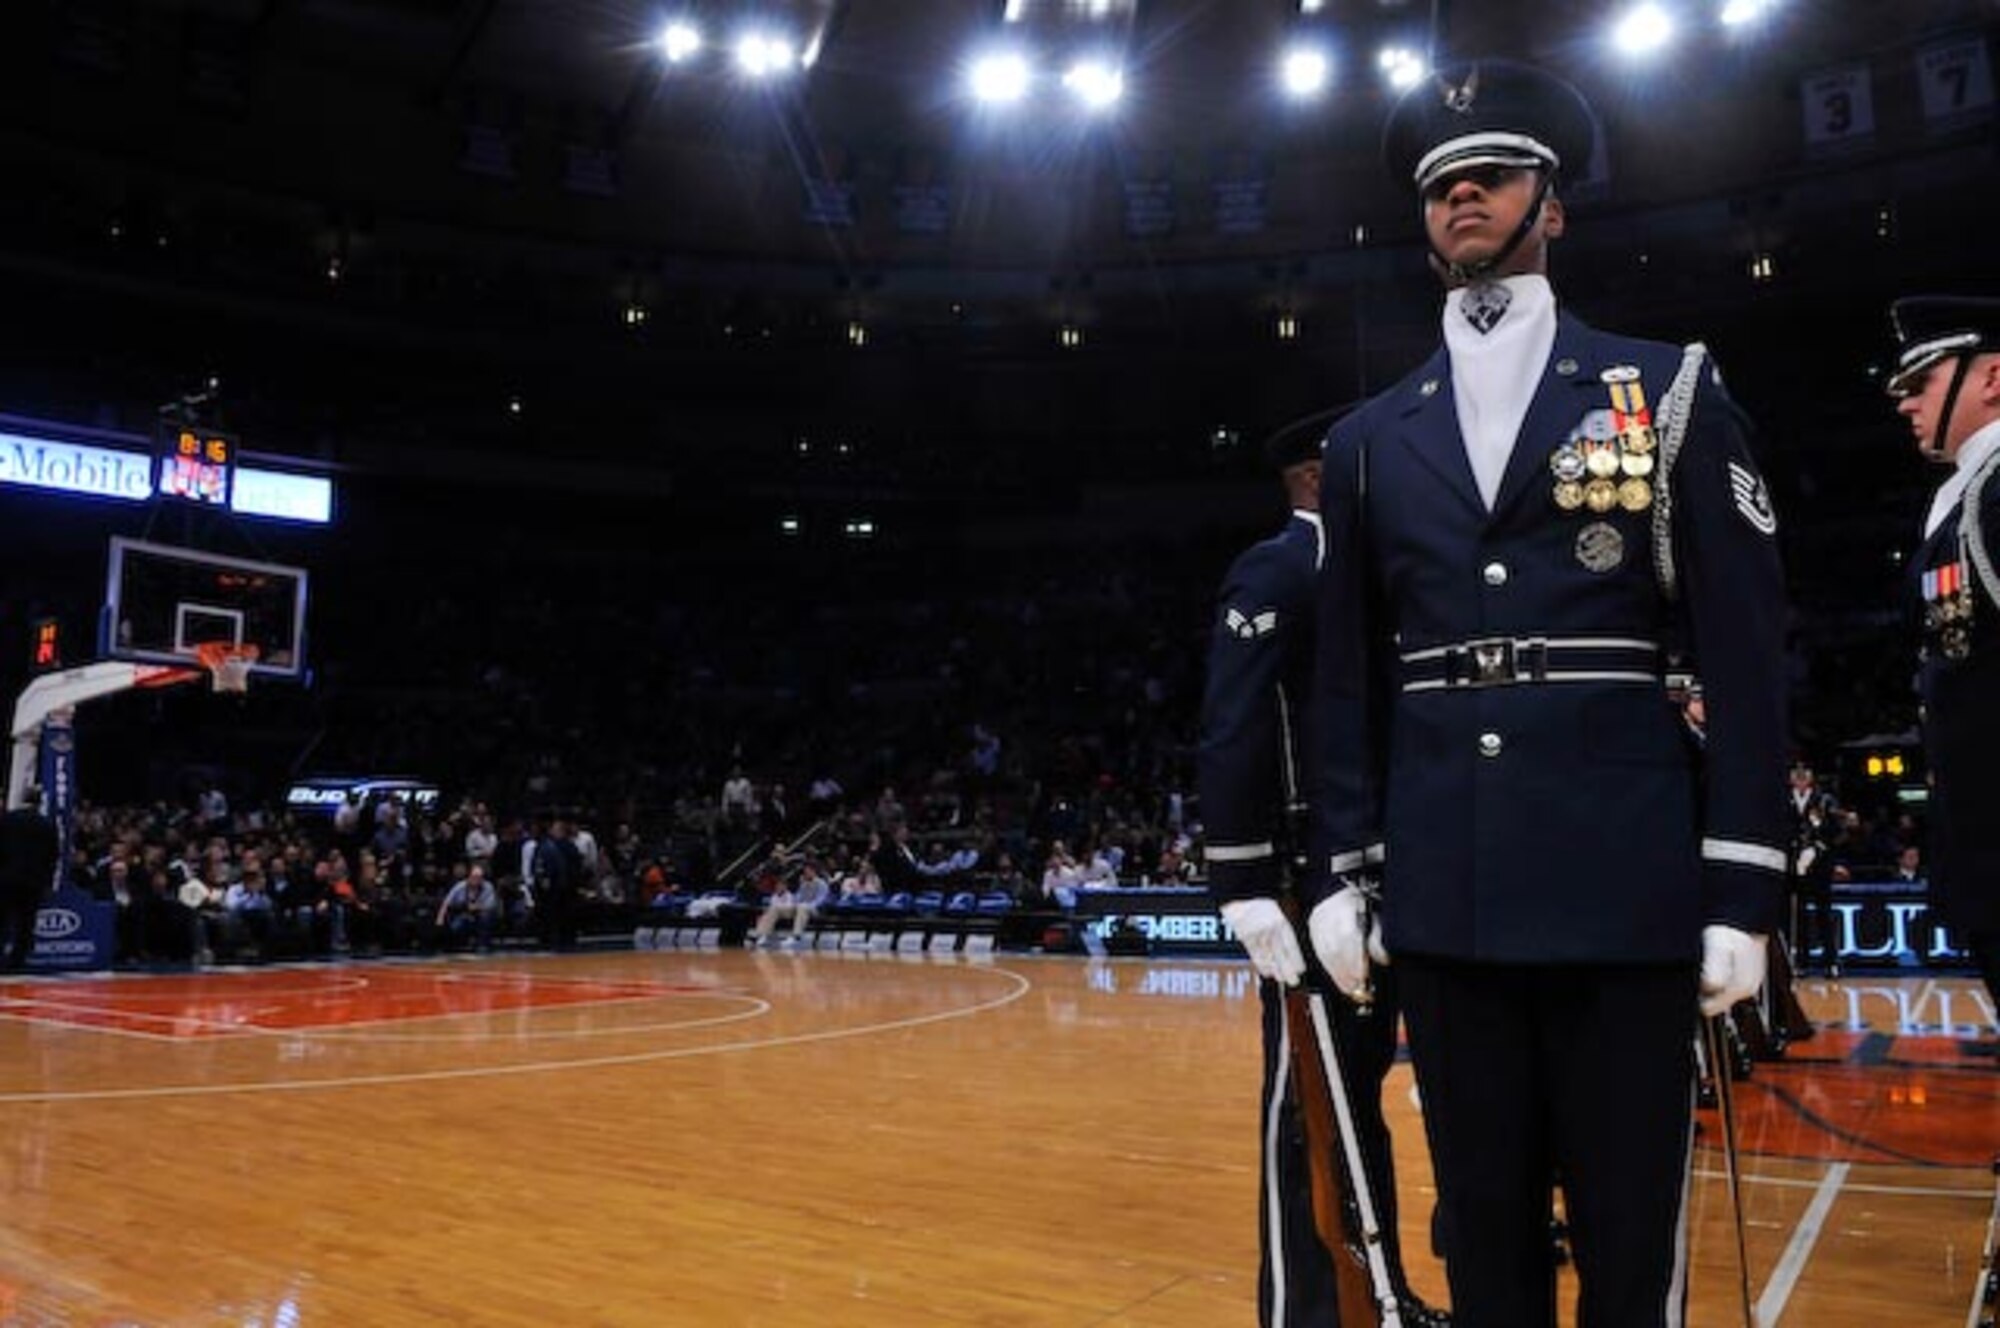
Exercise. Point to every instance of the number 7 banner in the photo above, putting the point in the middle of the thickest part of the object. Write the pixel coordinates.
(1956, 80)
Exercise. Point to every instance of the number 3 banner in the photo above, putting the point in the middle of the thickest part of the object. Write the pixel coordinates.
(1839, 106)
(1956, 79)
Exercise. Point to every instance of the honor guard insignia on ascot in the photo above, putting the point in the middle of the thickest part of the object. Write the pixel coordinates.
(1520, 534)
(1947, 381)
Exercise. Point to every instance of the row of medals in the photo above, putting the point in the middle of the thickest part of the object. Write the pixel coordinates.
(1603, 473)
(1950, 618)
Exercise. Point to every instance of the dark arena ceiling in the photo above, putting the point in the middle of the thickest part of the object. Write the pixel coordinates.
(406, 229)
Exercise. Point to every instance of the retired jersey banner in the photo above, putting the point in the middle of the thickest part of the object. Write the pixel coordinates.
(57, 773)
(1955, 79)
(1242, 206)
(1149, 208)
(1839, 107)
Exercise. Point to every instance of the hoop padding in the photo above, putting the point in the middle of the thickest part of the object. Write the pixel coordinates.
(228, 664)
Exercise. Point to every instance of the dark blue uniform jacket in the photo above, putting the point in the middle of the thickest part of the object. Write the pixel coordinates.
(1559, 814)
(1961, 696)
(1259, 675)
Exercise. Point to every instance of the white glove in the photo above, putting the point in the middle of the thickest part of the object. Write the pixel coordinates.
(1267, 934)
(1732, 967)
(1336, 926)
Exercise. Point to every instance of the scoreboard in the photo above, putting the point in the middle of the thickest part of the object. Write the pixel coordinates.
(195, 465)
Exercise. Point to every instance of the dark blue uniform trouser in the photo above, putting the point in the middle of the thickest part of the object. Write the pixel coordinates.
(1582, 1071)
(1295, 1276)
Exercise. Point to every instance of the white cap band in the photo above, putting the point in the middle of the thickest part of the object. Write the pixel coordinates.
(1491, 147)
(1924, 354)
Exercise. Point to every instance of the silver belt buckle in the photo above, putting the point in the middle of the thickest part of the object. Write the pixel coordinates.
(1498, 660)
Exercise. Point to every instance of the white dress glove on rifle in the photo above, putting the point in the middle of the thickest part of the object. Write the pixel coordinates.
(1267, 935)
(1732, 967)
(1345, 936)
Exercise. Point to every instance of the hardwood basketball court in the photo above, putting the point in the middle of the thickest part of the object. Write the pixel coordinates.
(779, 1140)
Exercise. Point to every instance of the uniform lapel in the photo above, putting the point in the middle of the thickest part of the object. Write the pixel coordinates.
(1559, 403)
(1430, 428)
(1941, 546)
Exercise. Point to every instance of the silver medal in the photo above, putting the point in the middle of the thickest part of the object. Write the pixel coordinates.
(1599, 547)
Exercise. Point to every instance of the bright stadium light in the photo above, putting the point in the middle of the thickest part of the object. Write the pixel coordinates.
(1096, 84)
(1644, 30)
(1403, 67)
(1304, 71)
(680, 42)
(761, 55)
(1741, 13)
(999, 77)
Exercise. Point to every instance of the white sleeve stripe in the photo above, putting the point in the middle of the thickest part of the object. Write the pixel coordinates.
(1742, 853)
(1355, 860)
(1240, 852)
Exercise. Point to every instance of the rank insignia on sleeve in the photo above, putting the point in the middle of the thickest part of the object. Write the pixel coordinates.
(1250, 627)
(1753, 500)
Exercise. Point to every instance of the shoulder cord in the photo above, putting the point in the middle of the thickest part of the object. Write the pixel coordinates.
(1676, 409)
(1972, 534)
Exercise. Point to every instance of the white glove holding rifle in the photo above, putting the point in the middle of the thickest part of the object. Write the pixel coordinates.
(1347, 937)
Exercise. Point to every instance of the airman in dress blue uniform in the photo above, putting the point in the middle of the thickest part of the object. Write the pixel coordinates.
(1518, 534)
(1947, 380)
(1260, 665)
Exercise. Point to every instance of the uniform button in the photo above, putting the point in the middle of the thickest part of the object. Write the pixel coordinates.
(1495, 574)
(1489, 744)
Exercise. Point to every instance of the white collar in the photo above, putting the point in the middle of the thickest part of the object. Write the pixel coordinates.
(1973, 453)
(1494, 374)
(1311, 518)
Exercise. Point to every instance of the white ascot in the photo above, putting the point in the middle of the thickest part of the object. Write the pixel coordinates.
(1495, 371)
(1972, 453)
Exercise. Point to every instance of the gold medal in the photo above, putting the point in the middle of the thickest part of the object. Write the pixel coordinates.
(1635, 495)
(1600, 495)
(1569, 495)
(1636, 464)
(1601, 460)
(1639, 438)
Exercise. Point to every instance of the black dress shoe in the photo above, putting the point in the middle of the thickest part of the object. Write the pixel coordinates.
(1415, 1314)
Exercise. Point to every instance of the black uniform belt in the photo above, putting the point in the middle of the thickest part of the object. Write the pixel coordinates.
(1506, 661)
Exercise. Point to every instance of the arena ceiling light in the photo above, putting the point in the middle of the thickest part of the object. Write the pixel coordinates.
(1096, 83)
(999, 78)
(1304, 71)
(1742, 13)
(1401, 66)
(680, 42)
(764, 55)
(1643, 30)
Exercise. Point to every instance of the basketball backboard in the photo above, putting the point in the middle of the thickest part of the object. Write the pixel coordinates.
(161, 602)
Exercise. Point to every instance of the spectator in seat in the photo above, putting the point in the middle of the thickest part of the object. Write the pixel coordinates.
(896, 862)
(1060, 872)
(1910, 866)
(799, 902)
(861, 883)
(739, 798)
(248, 909)
(480, 841)
(469, 910)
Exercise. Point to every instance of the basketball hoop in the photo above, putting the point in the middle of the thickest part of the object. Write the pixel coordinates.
(228, 664)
